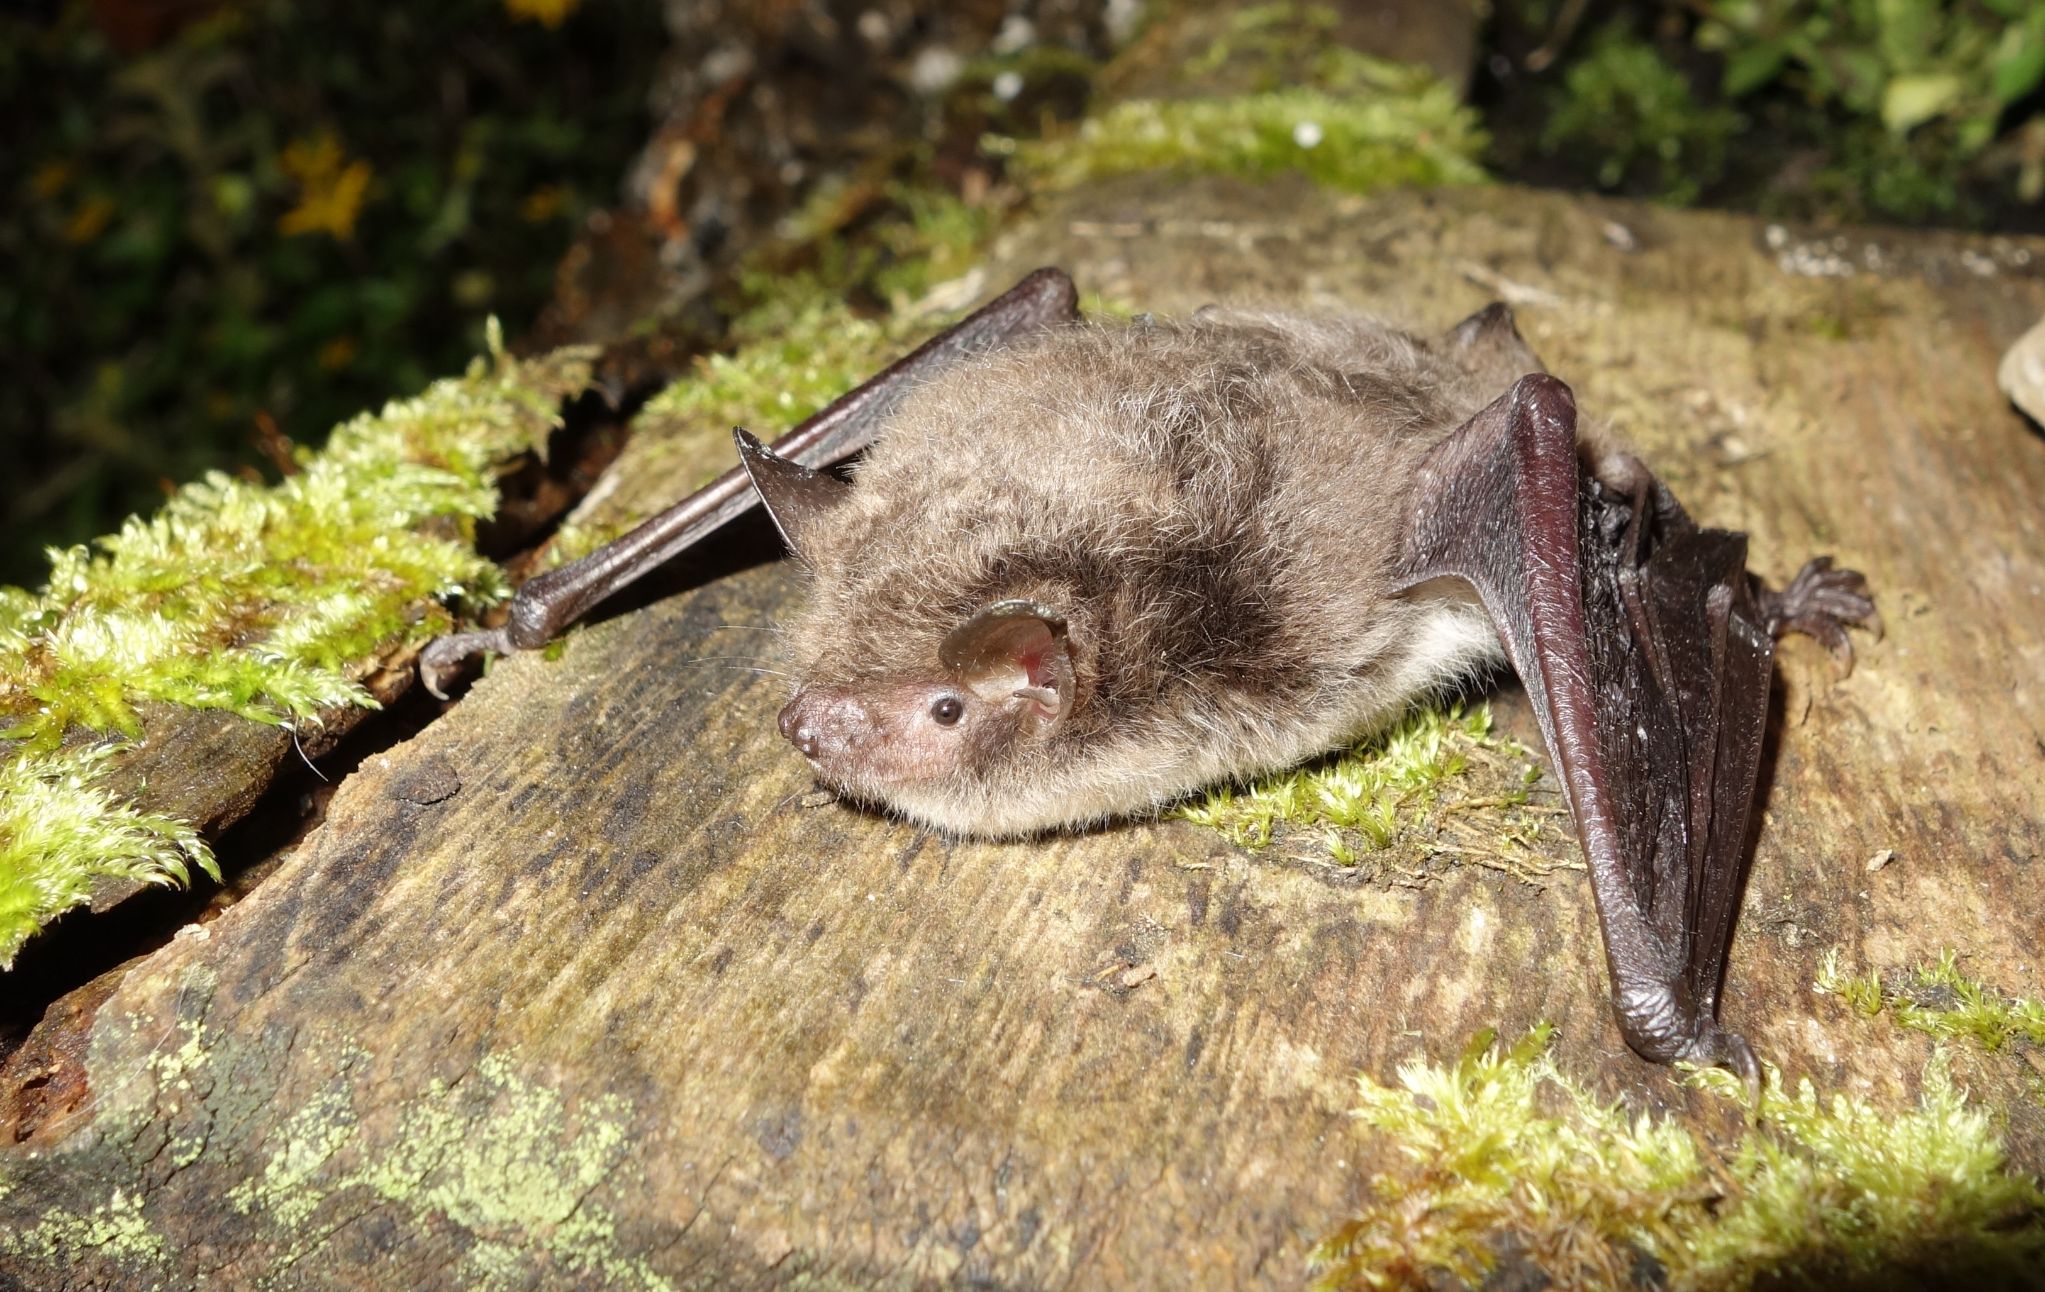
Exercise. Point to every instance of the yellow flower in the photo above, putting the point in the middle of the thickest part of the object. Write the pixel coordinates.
(89, 220)
(331, 188)
(548, 13)
(50, 179)
(338, 353)
(543, 203)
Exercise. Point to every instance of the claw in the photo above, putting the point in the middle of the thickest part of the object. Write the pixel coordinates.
(1822, 602)
(443, 657)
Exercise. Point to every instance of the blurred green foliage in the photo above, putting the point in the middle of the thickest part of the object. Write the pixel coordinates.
(281, 213)
(1910, 110)
(1634, 114)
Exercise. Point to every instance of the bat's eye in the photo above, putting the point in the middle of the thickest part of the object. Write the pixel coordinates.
(948, 711)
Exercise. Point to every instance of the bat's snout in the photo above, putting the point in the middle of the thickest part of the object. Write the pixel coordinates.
(825, 726)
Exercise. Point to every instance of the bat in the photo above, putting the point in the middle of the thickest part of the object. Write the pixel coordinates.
(1084, 570)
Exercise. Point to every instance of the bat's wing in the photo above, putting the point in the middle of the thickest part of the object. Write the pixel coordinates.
(1646, 648)
(549, 602)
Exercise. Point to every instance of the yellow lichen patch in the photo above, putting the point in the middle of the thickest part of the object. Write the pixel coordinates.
(519, 1166)
(1394, 803)
(1500, 1151)
(116, 1230)
(505, 1157)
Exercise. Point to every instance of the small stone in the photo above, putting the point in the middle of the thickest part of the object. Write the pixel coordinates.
(1017, 33)
(1880, 859)
(934, 69)
(2022, 374)
(431, 780)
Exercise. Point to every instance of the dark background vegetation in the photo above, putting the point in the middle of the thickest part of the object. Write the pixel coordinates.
(229, 225)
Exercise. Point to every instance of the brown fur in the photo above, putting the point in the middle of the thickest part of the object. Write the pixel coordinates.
(1212, 504)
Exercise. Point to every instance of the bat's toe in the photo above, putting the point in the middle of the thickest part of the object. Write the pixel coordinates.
(1823, 602)
(444, 657)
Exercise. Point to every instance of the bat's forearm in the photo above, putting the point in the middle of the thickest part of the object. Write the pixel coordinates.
(550, 602)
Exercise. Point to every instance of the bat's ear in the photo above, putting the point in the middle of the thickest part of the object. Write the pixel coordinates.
(796, 497)
(1492, 334)
(1492, 324)
(1014, 649)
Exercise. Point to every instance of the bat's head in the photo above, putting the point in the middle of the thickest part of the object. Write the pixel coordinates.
(941, 702)
(1004, 678)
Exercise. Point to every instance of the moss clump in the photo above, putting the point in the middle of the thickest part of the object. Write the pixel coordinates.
(1318, 108)
(264, 600)
(59, 831)
(795, 354)
(782, 373)
(267, 601)
(1396, 793)
(1413, 133)
(1361, 790)
(1501, 1151)
(1940, 1000)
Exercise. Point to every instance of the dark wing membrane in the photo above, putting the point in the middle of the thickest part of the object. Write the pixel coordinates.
(550, 602)
(1635, 635)
(1683, 681)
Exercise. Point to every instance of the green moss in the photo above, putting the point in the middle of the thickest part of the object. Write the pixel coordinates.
(785, 370)
(1411, 132)
(1396, 793)
(1840, 1191)
(1267, 40)
(795, 354)
(1628, 112)
(941, 239)
(60, 831)
(893, 240)
(268, 601)
(1940, 1000)
(1317, 108)
(1501, 1151)
(264, 599)
(1361, 790)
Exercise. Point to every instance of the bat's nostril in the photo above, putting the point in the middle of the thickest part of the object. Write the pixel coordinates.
(801, 734)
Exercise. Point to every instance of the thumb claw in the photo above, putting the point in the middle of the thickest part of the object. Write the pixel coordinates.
(444, 656)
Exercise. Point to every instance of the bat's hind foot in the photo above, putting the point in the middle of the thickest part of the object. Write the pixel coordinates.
(1822, 602)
